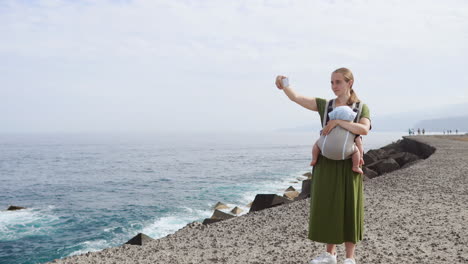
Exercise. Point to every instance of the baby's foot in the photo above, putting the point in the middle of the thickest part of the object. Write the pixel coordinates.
(314, 161)
(357, 169)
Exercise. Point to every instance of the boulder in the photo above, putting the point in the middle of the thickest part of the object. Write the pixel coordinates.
(394, 147)
(249, 204)
(290, 189)
(236, 210)
(217, 216)
(305, 190)
(13, 208)
(369, 173)
(140, 240)
(208, 221)
(374, 155)
(220, 205)
(308, 175)
(384, 166)
(221, 215)
(291, 195)
(263, 201)
(420, 149)
(404, 157)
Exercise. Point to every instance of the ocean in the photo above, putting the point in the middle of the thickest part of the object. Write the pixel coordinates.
(87, 192)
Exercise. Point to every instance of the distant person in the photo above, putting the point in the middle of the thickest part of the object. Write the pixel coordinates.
(423, 131)
(409, 131)
(419, 131)
(456, 131)
(336, 210)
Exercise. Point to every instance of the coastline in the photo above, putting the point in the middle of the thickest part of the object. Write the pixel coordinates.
(412, 214)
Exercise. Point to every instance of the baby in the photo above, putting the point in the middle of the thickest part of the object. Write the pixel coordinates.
(347, 114)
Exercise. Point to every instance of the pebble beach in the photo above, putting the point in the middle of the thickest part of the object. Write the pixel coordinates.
(416, 214)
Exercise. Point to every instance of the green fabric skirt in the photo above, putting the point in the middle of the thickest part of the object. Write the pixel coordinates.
(336, 202)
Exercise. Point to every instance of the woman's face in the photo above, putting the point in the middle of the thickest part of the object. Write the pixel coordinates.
(339, 85)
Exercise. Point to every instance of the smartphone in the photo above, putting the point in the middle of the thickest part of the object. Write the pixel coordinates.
(285, 82)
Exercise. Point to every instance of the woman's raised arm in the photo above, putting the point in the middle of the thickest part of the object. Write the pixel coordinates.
(304, 101)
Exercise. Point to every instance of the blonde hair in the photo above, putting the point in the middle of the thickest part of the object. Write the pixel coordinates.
(348, 76)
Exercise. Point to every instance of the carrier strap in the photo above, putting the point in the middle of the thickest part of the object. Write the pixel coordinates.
(330, 105)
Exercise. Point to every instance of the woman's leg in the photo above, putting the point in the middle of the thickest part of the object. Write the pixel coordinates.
(331, 248)
(350, 246)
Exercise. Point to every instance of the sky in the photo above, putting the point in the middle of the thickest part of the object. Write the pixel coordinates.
(181, 65)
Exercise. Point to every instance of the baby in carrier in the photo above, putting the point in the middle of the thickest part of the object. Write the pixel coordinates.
(340, 144)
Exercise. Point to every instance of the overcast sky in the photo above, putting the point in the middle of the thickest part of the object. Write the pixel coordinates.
(150, 65)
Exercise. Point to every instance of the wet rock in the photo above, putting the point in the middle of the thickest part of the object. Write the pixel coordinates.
(140, 240)
(13, 208)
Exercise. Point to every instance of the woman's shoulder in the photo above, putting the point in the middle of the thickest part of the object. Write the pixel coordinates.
(321, 100)
(365, 112)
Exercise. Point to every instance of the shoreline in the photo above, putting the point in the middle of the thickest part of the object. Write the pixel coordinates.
(414, 214)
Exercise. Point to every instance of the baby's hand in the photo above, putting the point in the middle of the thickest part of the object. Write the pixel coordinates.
(361, 162)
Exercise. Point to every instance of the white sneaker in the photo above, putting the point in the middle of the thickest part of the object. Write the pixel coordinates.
(349, 261)
(324, 258)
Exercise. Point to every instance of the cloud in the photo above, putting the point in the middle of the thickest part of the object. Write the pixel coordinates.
(156, 55)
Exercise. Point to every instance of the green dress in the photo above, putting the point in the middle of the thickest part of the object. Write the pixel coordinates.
(336, 198)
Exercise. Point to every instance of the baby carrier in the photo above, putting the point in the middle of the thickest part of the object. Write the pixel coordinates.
(339, 143)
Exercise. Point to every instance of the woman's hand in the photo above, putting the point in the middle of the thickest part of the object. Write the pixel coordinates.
(330, 125)
(278, 82)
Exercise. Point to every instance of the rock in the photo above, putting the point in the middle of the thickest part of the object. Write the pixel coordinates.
(420, 149)
(249, 204)
(290, 189)
(394, 147)
(221, 215)
(369, 173)
(384, 166)
(404, 157)
(208, 221)
(374, 155)
(293, 182)
(220, 205)
(308, 175)
(13, 208)
(291, 195)
(236, 210)
(369, 159)
(305, 190)
(263, 201)
(140, 240)
(217, 216)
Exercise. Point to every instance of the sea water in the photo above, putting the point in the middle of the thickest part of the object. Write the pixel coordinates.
(87, 192)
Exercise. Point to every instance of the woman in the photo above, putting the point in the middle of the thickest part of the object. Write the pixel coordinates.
(336, 201)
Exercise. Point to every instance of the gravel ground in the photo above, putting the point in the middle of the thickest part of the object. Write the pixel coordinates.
(414, 215)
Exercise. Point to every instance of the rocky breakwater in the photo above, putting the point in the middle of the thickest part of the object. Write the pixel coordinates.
(400, 154)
